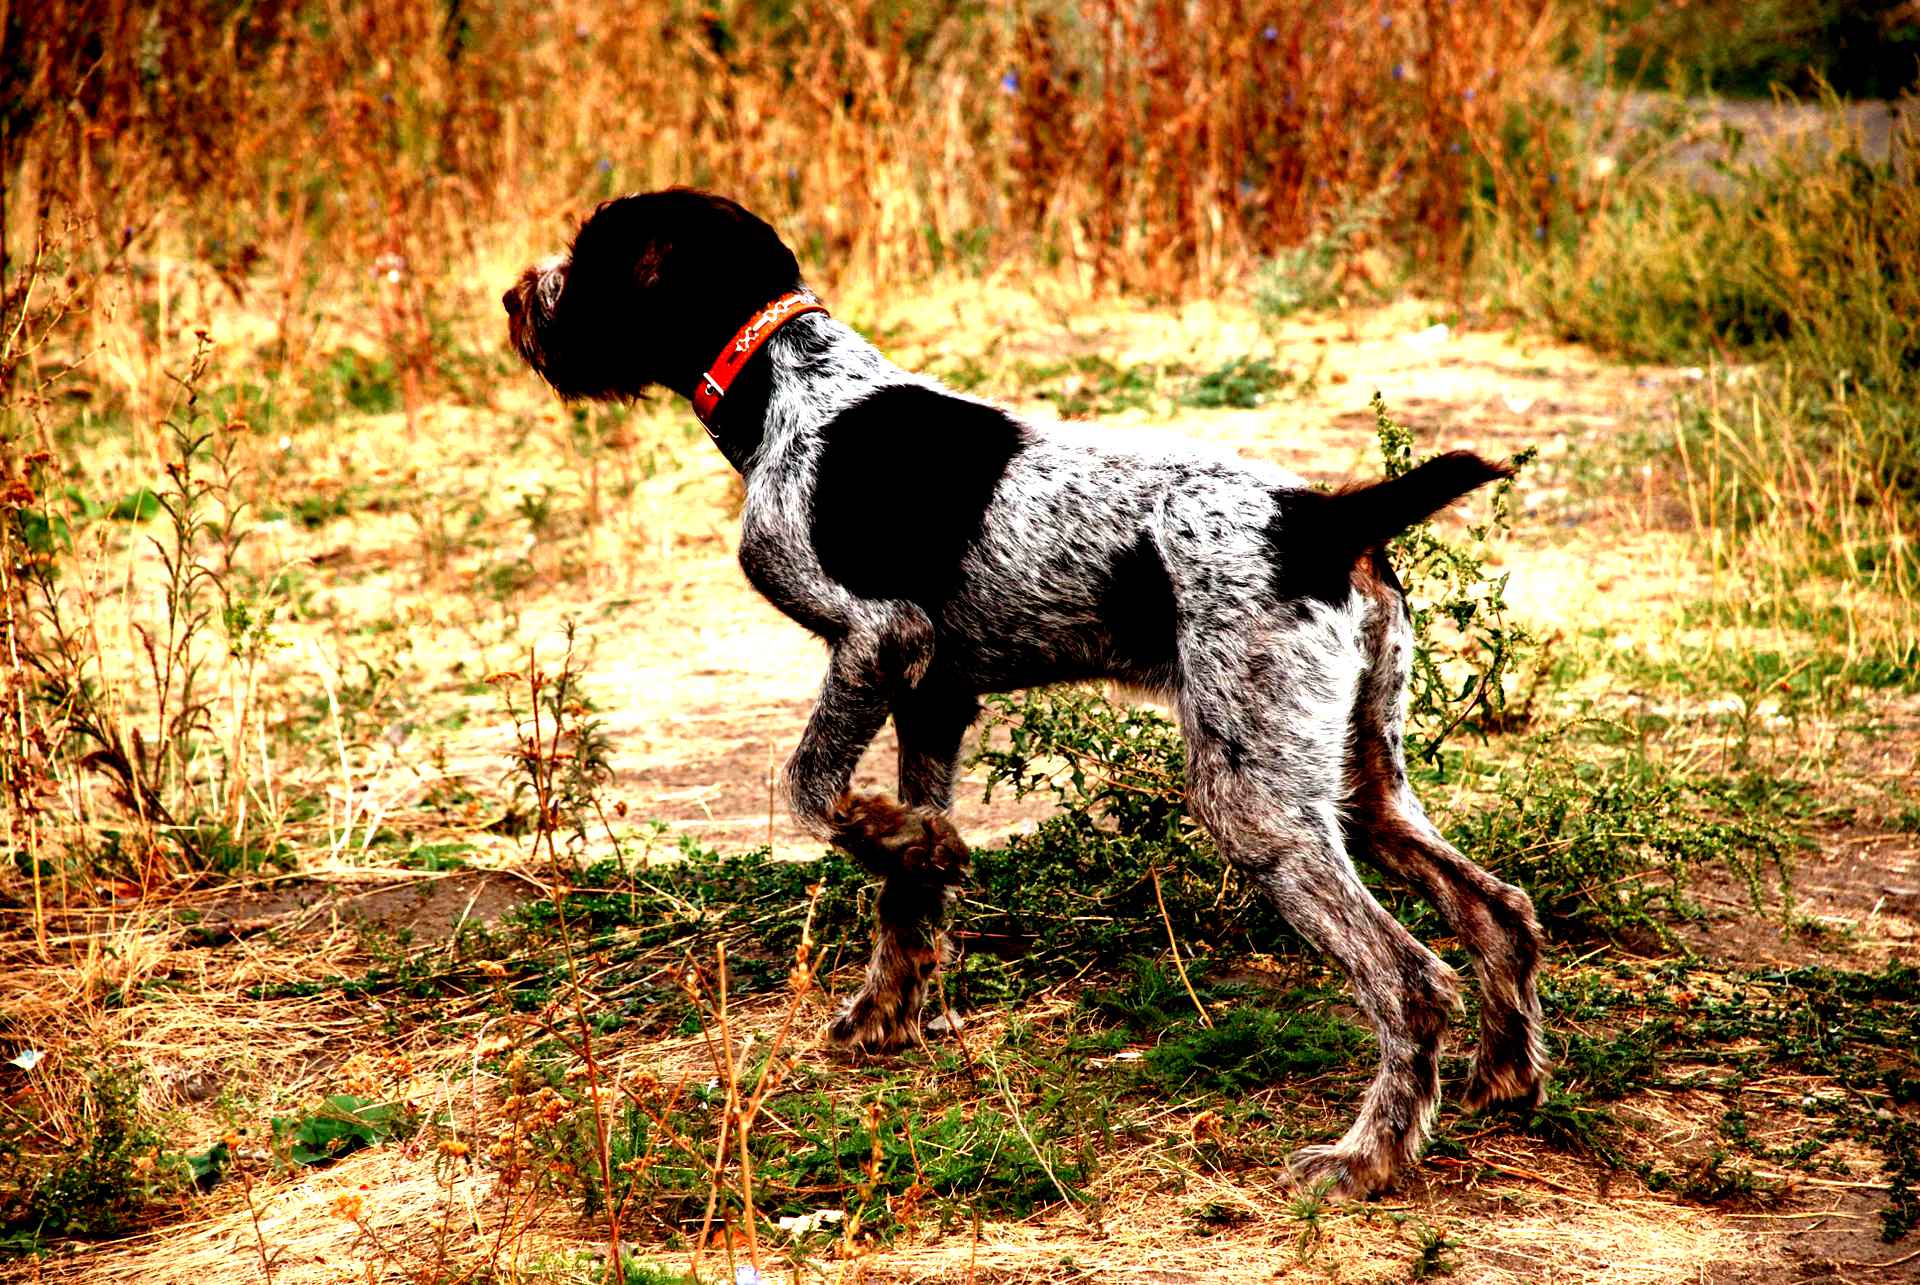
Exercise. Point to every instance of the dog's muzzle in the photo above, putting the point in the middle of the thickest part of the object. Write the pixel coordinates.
(529, 303)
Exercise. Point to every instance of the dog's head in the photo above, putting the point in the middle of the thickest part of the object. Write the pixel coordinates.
(653, 286)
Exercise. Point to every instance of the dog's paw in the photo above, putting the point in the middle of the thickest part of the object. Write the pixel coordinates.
(1511, 1087)
(1334, 1171)
(868, 1024)
(890, 839)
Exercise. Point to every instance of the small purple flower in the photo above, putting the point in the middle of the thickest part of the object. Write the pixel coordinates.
(1539, 231)
(1386, 20)
(1246, 189)
(1010, 83)
(1399, 71)
(1454, 148)
(1269, 33)
(1467, 94)
(604, 165)
(1553, 180)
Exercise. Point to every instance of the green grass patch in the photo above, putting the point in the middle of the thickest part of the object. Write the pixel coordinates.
(1694, 1027)
(1251, 1046)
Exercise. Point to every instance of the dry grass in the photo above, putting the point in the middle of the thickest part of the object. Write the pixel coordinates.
(367, 176)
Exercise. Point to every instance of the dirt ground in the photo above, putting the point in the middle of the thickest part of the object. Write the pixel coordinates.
(704, 689)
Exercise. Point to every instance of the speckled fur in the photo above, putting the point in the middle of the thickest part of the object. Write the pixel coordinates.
(1291, 706)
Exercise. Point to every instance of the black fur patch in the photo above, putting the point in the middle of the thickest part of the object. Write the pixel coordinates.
(1317, 537)
(740, 420)
(905, 480)
(1306, 564)
(1140, 612)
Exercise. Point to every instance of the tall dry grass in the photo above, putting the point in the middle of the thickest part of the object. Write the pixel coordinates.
(1792, 281)
(273, 153)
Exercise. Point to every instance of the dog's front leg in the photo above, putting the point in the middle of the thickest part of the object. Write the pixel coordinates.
(913, 848)
(881, 651)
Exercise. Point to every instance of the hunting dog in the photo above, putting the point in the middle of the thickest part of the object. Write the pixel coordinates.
(944, 548)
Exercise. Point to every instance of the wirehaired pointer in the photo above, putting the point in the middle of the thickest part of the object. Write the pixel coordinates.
(944, 548)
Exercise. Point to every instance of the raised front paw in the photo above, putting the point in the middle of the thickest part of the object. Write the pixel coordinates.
(891, 840)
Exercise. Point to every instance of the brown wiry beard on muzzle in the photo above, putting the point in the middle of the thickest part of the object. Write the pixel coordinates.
(534, 295)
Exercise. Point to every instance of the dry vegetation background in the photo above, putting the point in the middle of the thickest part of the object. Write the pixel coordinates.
(391, 888)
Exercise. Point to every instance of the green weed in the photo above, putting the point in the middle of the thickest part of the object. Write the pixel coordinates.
(1242, 382)
(1250, 1046)
(863, 1151)
(1610, 844)
(594, 1269)
(99, 1181)
(1090, 386)
(1434, 1250)
(1466, 649)
(1856, 1030)
(339, 1126)
(352, 380)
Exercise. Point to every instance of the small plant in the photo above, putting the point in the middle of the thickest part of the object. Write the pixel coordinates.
(1243, 383)
(1433, 1248)
(1091, 386)
(561, 763)
(110, 1167)
(1308, 1210)
(1466, 649)
(340, 1125)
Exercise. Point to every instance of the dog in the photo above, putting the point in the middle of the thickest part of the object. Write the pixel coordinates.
(944, 549)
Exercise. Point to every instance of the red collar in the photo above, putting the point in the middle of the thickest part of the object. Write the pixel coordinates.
(719, 377)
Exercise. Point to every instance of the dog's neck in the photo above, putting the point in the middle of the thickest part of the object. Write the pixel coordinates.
(738, 423)
(739, 363)
(808, 372)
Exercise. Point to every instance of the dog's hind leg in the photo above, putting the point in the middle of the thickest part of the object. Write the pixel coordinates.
(909, 942)
(1266, 775)
(1494, 920)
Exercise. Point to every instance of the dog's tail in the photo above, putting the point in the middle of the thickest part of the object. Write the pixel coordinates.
(1362, 518)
